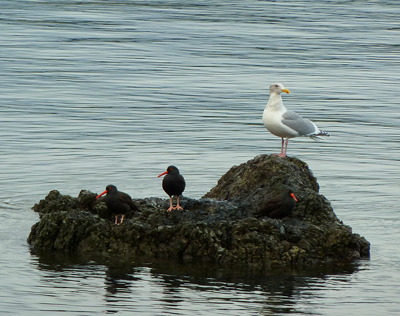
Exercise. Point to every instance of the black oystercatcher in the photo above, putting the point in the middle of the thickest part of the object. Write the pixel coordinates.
(173, 184)
(280, 206)
(118, 203)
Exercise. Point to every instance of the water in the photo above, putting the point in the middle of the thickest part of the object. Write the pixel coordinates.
(99, 92)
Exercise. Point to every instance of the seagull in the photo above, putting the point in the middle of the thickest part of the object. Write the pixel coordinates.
(286, 124)
(174, 185)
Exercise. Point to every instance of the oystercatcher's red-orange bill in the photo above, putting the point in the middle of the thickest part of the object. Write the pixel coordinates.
(101, 194)
(294, 197)
(164, 173)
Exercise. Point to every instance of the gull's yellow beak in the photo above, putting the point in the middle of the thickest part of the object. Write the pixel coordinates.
(286, 90)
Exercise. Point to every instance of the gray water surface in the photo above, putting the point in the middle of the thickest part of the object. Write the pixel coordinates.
(100, 92)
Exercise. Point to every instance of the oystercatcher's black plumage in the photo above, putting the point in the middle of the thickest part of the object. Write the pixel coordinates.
(174, 185)
(118, 203)
(280, 206)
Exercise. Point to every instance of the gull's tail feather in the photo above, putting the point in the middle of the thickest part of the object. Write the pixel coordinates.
(317, 136)
(323, 133)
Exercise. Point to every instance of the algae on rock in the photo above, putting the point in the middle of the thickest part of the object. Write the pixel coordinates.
(220, 227)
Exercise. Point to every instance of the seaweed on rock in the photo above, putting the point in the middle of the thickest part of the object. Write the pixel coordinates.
(219, 228)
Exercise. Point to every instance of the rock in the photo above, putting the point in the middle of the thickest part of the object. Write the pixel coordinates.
(218, 228)
(254, 183)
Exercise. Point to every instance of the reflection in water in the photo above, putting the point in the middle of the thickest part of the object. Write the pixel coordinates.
(118, 279)
(118, 282)
(168, 286)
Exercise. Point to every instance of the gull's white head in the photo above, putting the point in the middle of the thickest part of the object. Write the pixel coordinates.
(277, 88)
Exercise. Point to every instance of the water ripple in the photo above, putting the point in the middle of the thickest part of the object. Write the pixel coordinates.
(101, 92)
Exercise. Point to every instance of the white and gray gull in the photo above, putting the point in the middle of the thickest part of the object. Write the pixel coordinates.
(286, 124)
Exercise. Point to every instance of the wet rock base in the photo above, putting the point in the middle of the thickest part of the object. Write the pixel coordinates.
(220, 228)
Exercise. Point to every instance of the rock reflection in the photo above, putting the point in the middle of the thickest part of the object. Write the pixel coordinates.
(276, 291)
(163, 286)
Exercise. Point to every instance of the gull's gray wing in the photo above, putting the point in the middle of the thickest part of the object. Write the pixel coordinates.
(299, 124)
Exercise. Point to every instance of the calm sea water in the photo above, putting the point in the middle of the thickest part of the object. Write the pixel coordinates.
(99, 92)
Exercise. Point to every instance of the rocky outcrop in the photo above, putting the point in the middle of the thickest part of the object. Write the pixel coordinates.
(220, 227)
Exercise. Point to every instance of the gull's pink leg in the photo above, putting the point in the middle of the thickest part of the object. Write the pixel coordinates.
(283, 148)
(286, 144)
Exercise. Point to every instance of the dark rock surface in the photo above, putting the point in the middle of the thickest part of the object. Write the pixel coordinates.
(219, 228)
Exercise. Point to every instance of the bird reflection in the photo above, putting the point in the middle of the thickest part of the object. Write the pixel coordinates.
(119, 279)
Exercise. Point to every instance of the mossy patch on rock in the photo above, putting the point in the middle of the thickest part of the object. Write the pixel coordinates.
(219, 228)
